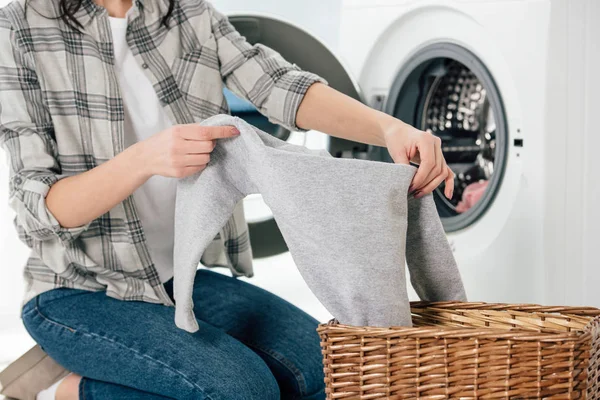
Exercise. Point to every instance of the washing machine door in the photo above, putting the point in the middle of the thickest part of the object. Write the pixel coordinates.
(445, 89)
(301, 48)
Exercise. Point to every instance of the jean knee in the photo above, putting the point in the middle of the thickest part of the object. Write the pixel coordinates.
(270, 388)
(253, 382)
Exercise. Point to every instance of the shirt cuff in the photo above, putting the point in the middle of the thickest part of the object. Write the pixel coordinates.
(35, 217)
(287, 94)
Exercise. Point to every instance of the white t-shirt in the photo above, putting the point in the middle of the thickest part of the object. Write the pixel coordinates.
(144, 117)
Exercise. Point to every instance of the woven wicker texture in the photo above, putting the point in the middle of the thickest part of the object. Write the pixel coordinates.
(468, 351)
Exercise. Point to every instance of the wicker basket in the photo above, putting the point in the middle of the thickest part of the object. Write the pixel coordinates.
(468, 351)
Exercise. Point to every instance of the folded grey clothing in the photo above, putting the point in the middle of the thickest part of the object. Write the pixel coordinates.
(350, 226)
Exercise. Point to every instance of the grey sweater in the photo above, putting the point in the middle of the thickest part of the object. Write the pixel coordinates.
(349, 224)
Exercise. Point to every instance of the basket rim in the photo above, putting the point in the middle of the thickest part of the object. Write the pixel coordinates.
(342, 331)
(335, 328)
(582, 311)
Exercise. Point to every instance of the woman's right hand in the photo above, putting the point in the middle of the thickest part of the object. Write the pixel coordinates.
(182, 150)
(175, 152)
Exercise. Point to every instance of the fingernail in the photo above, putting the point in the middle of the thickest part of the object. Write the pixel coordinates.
(235, 131)
(417, 194)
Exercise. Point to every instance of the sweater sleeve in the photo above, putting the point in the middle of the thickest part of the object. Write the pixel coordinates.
(260, 74)
(27, 136)
(434, 273)
(205, 201)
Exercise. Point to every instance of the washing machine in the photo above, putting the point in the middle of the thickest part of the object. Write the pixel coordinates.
(499, 82)
(431, 64)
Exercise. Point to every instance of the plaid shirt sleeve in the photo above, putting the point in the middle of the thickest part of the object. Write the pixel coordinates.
(260, 74)
(27, 136)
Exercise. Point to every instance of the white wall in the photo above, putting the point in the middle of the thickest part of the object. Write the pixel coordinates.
(572, 212)
(13, 254)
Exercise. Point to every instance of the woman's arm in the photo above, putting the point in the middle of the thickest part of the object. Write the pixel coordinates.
(327, 110)
(79, 199)
(299, 99)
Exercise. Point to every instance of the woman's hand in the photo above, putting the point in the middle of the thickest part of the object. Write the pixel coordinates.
(175, 152)
(327, 110)
(182, 150)
(408, 144)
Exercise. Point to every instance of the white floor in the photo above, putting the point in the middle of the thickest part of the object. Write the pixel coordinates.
(280, 276)
(14, 339)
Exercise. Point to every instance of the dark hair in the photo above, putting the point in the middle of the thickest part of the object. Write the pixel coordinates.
(68, 8)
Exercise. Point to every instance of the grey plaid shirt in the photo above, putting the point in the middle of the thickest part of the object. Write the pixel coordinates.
(61, 114)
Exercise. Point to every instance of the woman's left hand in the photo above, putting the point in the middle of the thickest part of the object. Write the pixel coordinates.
(326, 110)
(408, 144)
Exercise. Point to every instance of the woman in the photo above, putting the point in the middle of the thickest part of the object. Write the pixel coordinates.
(98, 104)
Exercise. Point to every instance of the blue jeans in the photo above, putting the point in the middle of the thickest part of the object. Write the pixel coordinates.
(251, 344)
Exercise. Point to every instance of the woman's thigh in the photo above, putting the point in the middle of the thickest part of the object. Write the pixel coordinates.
(136, 344)
(281, 333)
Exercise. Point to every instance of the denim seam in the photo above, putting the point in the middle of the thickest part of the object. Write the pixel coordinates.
(141, 355)
(286, 363)
(81, 389)
(25, 313)
(72, 330)
(101, 338)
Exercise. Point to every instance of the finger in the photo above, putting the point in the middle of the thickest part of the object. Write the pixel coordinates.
(431, 186)
(192, 160)
(401, 157)
(444, 169)
(449, 192)
(197, 132)
(440, 163)
(222, 132)
(415, 158)
(199, 146)
(426, 147)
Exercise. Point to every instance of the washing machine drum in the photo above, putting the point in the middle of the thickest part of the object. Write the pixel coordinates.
(301, 48)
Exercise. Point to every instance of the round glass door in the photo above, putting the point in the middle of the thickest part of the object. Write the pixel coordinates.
(445, 90)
